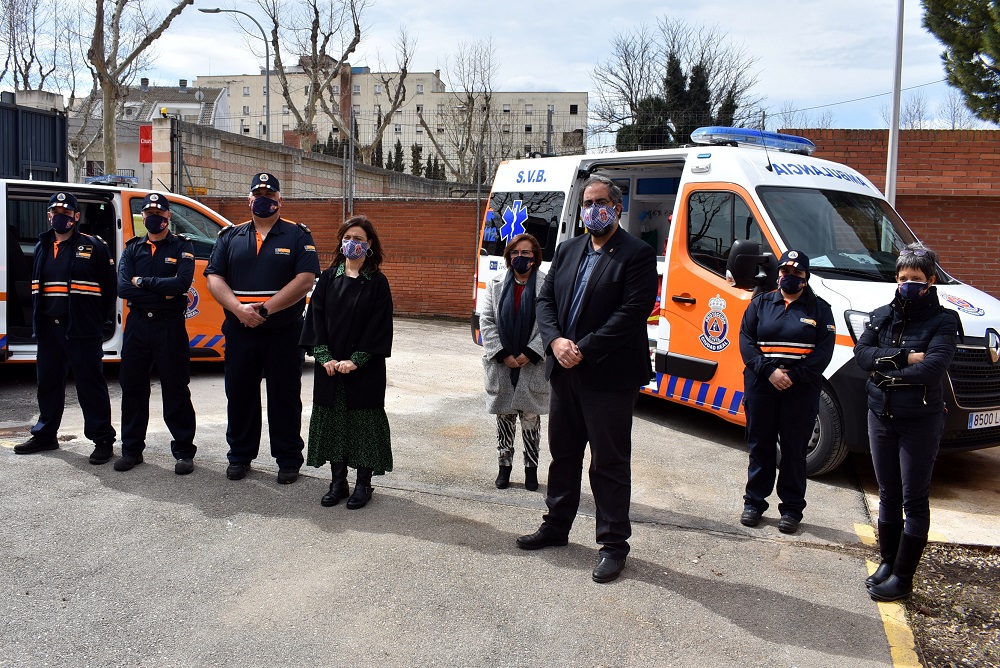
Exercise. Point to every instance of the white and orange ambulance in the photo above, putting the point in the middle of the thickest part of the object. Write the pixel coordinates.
(113, 213)
(718, 214)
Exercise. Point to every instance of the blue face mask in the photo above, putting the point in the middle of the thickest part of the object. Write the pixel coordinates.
(911, 289)
(791, 284)
(62, 222)
(521, 264)
(264, 207)
(597, 217)
(354, 250)
(155, 224)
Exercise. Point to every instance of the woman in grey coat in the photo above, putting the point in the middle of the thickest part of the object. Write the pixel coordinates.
(513, 357)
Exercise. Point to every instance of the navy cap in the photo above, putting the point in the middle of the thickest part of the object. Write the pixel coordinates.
(155, 201)
(65, 200)
(264, 180)
(797, 259)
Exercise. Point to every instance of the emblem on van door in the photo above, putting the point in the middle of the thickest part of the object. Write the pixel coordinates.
(192, 303)
(993, 346)
(514, 218)
(962, 305)
(715, 326)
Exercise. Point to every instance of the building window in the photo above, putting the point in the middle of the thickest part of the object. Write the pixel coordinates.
(378, 111)
(440, 130)
(356, 108)
(246, 91)
(284, 109)
(356, 89)
(334, 89)
(552, 107)
(95, 168)
(527, 129)
(420, 89)
(573, 109)
(246, 129)
(506, 108)
(246, 110)
(378, 89)
(420, 129)
(420, 108)
(440, 109)
(529, 109)
(398, 129)
(264, 91)
(305, 91)
(505, 128)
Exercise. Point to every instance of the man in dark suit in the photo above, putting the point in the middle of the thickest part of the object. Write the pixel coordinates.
(591, 313)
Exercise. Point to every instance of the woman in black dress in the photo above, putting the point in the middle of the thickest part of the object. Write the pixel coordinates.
(348, 330)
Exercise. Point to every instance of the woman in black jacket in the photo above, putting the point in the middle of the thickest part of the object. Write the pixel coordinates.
(907, 348)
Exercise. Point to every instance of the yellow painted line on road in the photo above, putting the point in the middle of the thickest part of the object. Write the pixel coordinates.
(902, 646)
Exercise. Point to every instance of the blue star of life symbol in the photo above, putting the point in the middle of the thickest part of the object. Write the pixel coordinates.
(514, 217)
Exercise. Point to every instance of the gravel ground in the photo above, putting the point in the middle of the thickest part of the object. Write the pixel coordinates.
(955, 607)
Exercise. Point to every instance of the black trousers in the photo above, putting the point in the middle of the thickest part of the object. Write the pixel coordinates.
(577, 415)
(161, 341)
(790, 414)
(273, 355)
(57, 355)
(903, 453)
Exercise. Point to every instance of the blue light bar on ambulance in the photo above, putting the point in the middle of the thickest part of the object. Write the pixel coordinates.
(745, 137)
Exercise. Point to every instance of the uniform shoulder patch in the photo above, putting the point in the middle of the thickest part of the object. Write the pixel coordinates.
(182, 236)
(303, 227)
(228, 228)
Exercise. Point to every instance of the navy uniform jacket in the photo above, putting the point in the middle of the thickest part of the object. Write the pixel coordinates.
(166, 274)
(798, 338)
(89, 287)
(288, 250)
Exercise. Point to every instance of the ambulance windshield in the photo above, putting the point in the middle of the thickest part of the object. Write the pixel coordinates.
(845, 235)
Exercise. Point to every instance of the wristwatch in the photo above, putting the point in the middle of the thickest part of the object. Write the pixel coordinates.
(138, 282)
(263, 311)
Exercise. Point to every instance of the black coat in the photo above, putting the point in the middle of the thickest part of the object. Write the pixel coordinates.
(895, 330)
(351, 315)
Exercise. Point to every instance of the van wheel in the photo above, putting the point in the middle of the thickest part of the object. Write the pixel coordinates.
(826, 449)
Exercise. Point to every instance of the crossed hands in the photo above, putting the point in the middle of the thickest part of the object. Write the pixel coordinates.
(345, 366)
(566, 353)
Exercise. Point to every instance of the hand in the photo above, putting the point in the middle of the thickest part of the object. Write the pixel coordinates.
(914, 358)
(780, 379)
(331, 367)
(511, 362)
(566, 353)
(346, 366)
(247, 314)
(522, 360)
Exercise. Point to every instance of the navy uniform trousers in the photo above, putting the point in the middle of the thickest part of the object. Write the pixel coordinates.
(273, 354)
(57, 355)
(160, 339)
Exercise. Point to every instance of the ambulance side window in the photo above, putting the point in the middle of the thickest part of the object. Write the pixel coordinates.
(715, 221)
(512, 213)
(196, 226)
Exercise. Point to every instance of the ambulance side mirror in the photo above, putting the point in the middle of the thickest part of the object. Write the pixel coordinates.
(749, 269)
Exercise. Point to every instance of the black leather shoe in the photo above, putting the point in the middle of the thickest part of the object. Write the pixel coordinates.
(127, 462)
(750, 517)
(540, 539)
(530, 478)
(237, 471)
(287, 476)
(183, 466)
(35, 444)
(362, 495)
(338, 490)
(103, 452)
(608, 569)
(788, 524)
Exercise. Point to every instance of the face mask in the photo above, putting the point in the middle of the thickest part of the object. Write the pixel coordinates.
(521, 264)
(911, 289)
(791, 284)
(353, 250)
(62, 222)
(597, 217)
(264, 207)
(155, 224)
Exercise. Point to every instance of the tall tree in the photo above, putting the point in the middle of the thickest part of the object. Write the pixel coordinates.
(396, 162)
(123, 31)
(970, 33)
(416, 160)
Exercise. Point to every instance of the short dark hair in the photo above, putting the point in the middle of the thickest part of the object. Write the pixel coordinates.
(536, 248)
(614, 192)
(375, 257)
(917, 256)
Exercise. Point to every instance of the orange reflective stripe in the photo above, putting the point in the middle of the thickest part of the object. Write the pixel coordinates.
(254, 300)
(55, 289)
(786, 349)
(86, 288)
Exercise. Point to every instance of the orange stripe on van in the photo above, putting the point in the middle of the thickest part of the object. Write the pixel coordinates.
(845, 340)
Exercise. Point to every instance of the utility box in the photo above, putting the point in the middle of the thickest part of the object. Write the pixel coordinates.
(32, 142)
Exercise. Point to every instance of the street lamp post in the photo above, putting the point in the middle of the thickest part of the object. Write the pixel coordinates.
(267, 62)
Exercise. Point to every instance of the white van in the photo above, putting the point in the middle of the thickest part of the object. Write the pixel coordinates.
(718, 215)
(112, 213)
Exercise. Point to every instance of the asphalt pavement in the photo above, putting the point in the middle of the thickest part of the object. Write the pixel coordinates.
(146, 568)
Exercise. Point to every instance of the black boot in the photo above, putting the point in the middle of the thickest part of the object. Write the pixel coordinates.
(362, 490)
(530, 478)
(339, 489)
(503, 478)
(888, 545)
(899, 585)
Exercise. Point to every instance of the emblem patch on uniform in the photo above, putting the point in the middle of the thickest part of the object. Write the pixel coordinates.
(282, 251)
(793, 255)
(831, 328)
(192, 303)
(715, 326)
(187, 256)
(84, 251)
(808, 321)
(310, 247)
(170, 260)
(962, 305)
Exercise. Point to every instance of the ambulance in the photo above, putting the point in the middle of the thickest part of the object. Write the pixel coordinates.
(112, 213)
(719, 213)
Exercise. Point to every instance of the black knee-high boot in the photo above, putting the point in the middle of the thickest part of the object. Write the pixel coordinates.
(899, 585)
(888, 545)
(362, 490)
(339, 489)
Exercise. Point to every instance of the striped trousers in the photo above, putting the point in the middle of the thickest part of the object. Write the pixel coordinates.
(531, 434)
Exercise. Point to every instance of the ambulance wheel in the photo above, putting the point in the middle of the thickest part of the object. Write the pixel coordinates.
(826, 449)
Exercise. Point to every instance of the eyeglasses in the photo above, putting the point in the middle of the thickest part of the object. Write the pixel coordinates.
(919, 252)
(522, 253)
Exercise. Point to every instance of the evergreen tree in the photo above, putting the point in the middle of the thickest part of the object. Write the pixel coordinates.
(377, 155)
(397, 157)
(329, 144)
(416, 162)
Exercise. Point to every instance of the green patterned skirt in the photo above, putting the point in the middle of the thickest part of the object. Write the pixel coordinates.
(359, 437)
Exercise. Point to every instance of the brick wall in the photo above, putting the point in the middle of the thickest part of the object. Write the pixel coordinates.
(947, 190)
(430, 245)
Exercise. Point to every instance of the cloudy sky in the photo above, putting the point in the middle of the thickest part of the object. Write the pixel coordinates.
(816, 55)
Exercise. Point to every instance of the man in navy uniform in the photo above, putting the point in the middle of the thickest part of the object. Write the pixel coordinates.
(260, 272)
(154, 274)
(73, 284)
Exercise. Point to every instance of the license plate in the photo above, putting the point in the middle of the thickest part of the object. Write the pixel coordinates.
(983, 419)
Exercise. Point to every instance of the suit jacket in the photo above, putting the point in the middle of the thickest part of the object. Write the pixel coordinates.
(611, 328)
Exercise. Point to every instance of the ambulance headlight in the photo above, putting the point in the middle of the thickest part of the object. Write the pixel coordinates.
(856, 321)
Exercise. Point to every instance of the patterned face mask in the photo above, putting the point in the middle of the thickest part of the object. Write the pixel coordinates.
(598, 217)
(354, 250)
